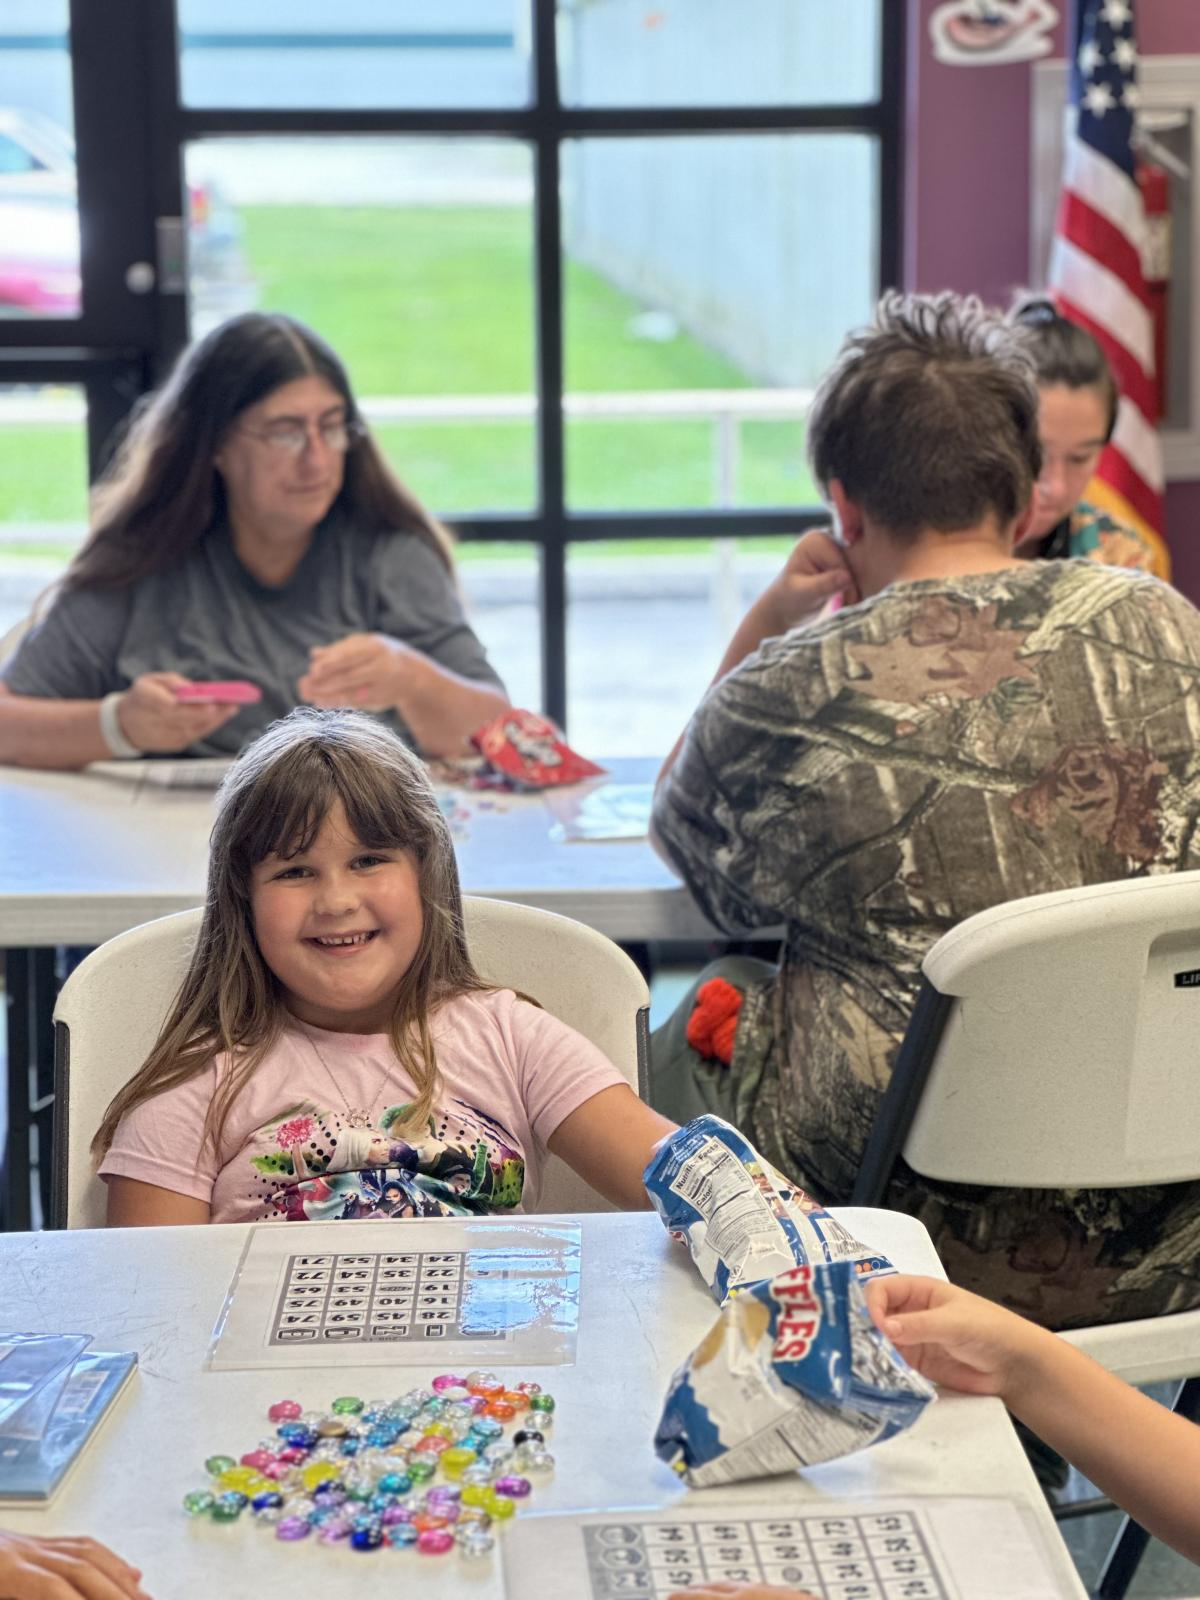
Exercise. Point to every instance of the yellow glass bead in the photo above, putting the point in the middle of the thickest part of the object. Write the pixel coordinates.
(496, 1505)
(456, 1460)
(439, 1430)
(318, 1472)
(476, 1494)
(238, 1478)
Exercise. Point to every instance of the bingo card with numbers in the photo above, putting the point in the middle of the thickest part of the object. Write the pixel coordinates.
(388, 1293)
(930, 1549)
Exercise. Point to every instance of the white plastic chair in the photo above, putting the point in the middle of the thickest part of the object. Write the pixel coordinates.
(111, 1008)
(1055, 1044)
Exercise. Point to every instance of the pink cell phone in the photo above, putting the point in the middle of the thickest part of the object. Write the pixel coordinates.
(233, 692)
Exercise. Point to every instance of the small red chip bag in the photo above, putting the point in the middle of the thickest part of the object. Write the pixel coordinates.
(530, 753)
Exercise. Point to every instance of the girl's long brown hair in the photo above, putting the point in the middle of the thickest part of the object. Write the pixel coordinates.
(273, 801)
(162, 494)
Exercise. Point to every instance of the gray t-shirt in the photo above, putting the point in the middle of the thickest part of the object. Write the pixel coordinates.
(210, 619)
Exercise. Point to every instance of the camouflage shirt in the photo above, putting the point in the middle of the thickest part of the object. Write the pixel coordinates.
(870, 781)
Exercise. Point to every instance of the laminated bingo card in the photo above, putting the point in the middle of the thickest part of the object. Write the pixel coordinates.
(948, 1549)
(390, 1293)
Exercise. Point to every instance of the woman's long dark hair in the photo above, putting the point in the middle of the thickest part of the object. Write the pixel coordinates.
(162, 493)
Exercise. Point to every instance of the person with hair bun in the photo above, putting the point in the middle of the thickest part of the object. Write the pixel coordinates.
(1077, 411)
(248, 528)
(968, 728)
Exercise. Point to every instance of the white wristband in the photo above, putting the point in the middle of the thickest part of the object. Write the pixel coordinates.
(111, 731)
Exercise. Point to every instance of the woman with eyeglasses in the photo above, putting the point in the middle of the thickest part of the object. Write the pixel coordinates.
(1077, 411)
(248, 529)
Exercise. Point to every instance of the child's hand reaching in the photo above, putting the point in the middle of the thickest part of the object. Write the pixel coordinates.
(951, 1336)
(742, 1591)
(65, 1569)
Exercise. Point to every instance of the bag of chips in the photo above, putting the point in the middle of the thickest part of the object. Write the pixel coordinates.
(527, 751)
(743, 1221)
(793, 1372)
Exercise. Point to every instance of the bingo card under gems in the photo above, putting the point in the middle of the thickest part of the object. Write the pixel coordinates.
(932, 1549)
(403, 1292)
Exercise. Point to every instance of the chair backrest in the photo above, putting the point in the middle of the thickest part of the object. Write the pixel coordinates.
(112, 1006)
(1055, 1045)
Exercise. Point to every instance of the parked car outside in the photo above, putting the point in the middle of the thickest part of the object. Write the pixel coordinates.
(39, 231)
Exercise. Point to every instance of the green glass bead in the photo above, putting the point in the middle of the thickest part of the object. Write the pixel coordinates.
(421, 1468)
(198, 1503)
(229, 1506)
(215, 1465)
(541, 1402)
(347, 1405)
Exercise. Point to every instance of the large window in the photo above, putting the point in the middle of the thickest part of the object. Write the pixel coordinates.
(585, 261)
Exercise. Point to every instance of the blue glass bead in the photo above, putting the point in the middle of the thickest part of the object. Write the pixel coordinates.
(269, 1497)
(351, 1447)
(367, 1538)
(402, 1535)
(394, 1483)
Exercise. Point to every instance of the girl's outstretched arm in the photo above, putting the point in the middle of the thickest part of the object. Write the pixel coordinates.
(133, 1204)
(1137, 1452)
(608, 1140)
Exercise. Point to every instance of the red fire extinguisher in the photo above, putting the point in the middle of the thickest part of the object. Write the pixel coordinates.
(1154, 183)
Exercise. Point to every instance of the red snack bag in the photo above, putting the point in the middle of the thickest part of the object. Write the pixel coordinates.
(530, 752)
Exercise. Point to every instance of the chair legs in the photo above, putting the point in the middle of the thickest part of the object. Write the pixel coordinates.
(1132, 1539)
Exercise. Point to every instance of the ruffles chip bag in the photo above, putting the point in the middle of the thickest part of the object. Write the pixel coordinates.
(793, 1372)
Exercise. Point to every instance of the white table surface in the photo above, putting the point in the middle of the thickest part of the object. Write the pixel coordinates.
(642, 1311)
(83, 857)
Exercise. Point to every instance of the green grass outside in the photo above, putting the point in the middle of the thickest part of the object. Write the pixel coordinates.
(438, 301)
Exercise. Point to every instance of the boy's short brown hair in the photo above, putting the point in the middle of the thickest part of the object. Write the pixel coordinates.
(928, 418)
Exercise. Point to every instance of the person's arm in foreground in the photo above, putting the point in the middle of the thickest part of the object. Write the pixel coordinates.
(38, 731)
(608, 1141)
(814, 571)
(63, 1569)
(134, 1204)
(1137, 1452)
(372, 672)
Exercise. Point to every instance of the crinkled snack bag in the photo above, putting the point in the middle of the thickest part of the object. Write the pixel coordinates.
(793, 1372)
(529, 751)
(742, 1220)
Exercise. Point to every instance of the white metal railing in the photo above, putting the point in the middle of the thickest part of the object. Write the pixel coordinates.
(726, 409)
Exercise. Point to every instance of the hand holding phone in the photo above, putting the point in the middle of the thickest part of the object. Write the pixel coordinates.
(230, 692)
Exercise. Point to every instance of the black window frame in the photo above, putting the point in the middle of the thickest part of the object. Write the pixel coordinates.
(132, 128)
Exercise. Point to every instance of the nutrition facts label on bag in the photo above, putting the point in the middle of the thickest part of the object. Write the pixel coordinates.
(924, 1548)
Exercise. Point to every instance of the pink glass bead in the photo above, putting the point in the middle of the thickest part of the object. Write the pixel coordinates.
(435, 1542)
(447, 1380)
(514, 1488)
(261, 1459)
(432, 1444)
(292, 1455)
(335, 1529)
(285, 1410)
(276, 1469)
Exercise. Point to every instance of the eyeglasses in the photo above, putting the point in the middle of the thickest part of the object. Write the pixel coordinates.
(289, 438)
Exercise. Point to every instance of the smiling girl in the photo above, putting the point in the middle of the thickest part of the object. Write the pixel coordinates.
(332, 1052)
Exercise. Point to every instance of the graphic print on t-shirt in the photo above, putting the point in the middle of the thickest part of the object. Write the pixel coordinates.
(311, 1165)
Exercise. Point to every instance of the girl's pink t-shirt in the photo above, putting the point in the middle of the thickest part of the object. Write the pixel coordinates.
(295, 1148)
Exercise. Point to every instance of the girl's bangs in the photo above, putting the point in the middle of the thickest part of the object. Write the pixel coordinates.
(286, 813)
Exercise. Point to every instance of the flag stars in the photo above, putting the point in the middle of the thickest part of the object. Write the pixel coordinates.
(1131, 97)
(1117, 13)
(1125, 54)
(1090, 57)
(1098, 98)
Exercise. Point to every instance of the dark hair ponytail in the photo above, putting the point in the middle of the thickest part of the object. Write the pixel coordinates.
(1063, 352)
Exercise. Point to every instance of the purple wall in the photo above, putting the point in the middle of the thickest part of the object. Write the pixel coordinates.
(966, 205)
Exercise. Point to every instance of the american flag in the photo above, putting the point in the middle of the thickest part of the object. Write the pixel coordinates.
(1096, 267)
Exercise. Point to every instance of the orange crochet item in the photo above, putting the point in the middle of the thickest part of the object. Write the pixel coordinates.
(713, 1021)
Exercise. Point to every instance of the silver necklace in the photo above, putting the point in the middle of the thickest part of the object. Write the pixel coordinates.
(356, 1116)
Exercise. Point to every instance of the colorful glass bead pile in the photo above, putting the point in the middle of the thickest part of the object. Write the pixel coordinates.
(432, 1471)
